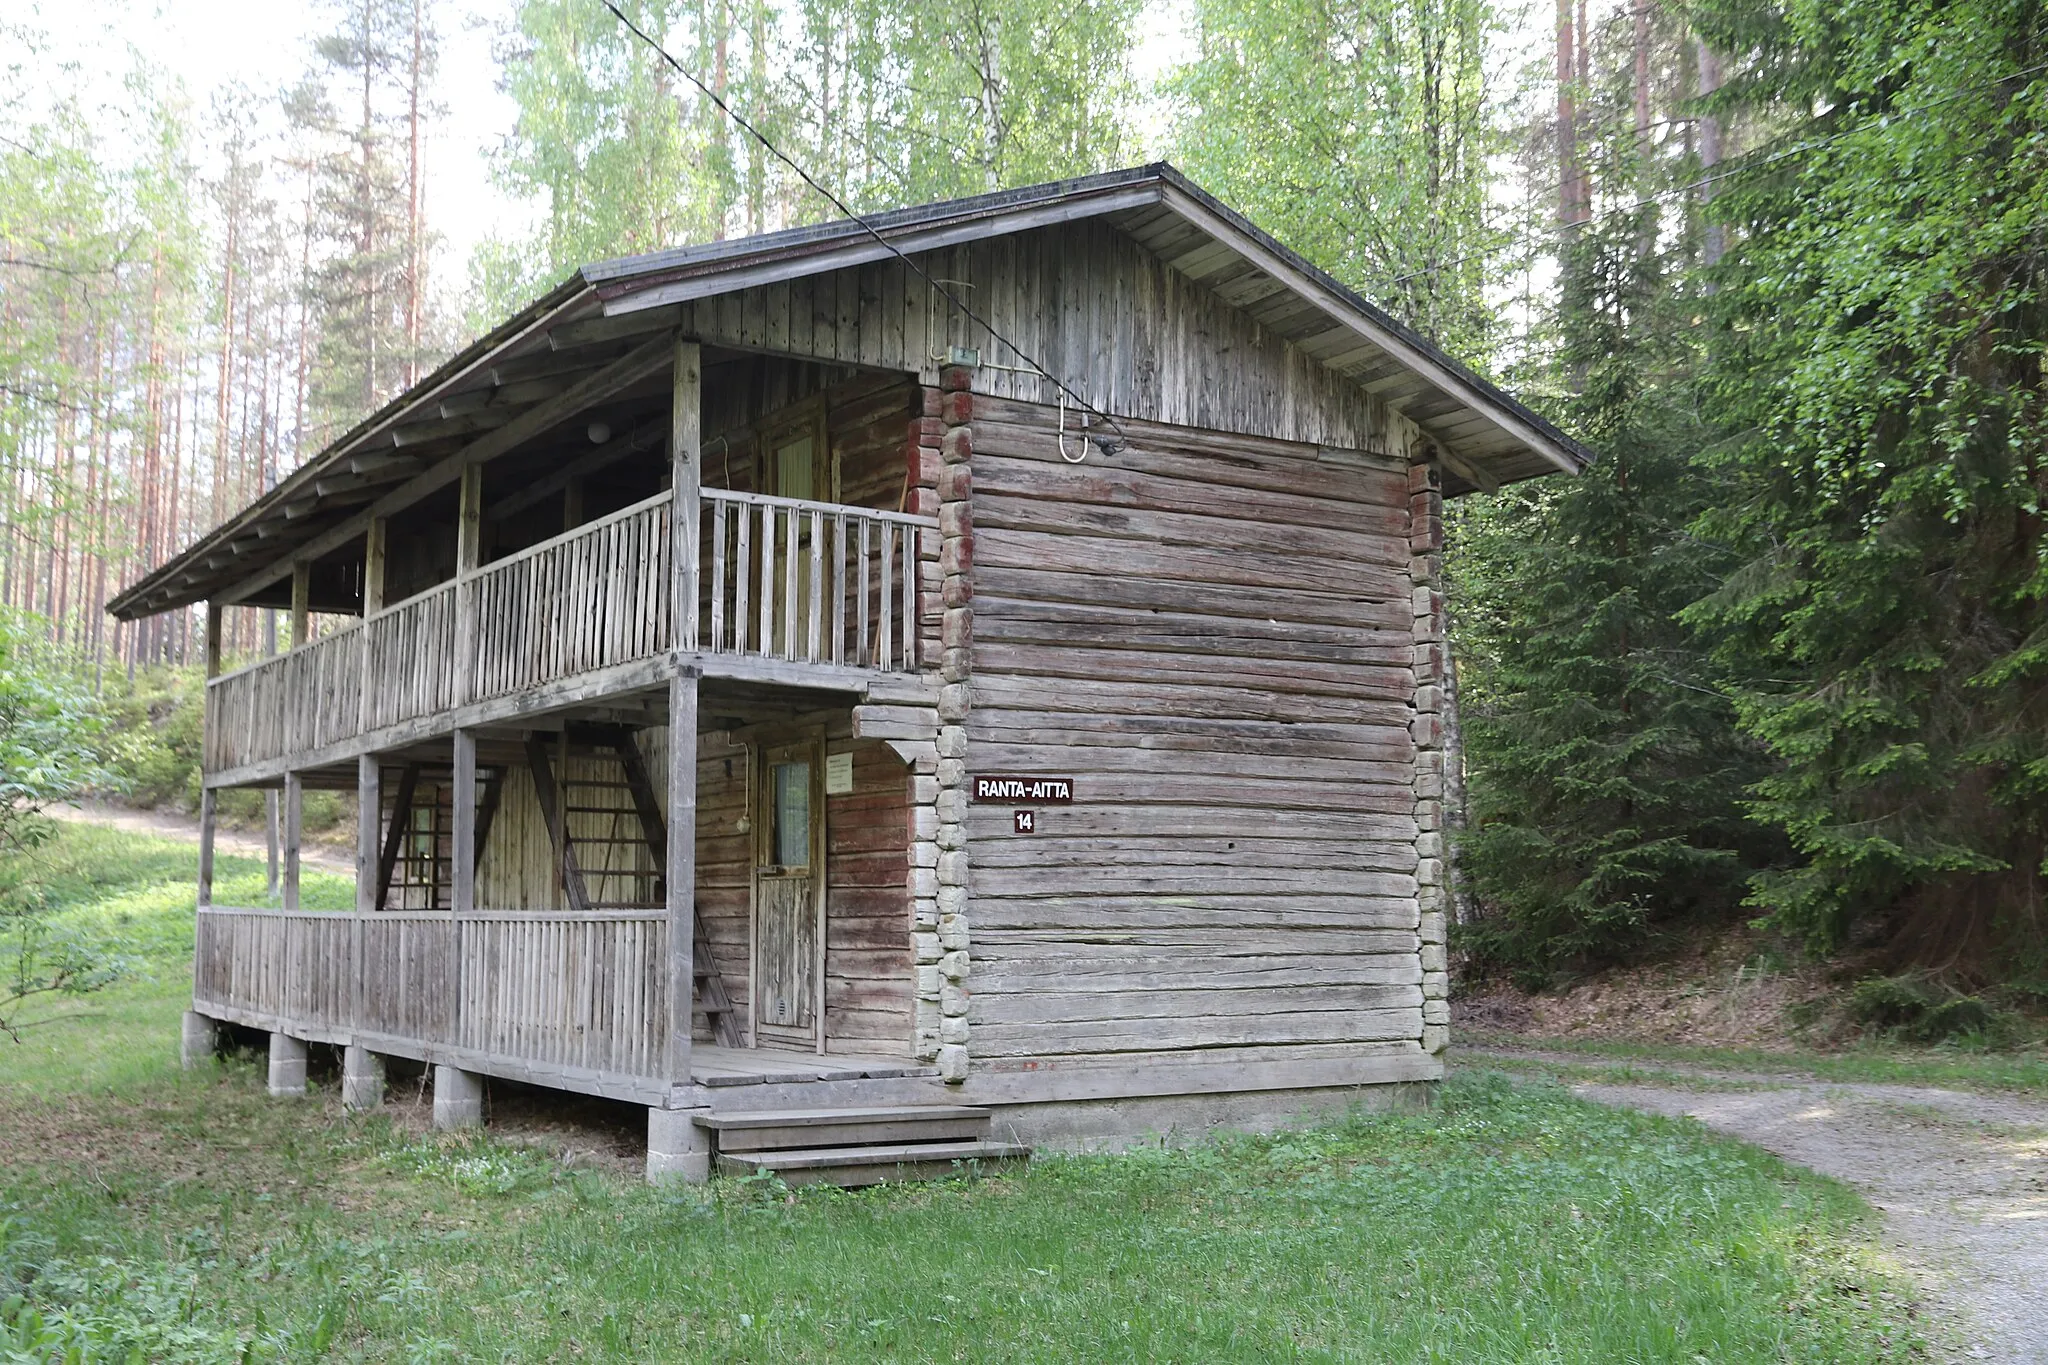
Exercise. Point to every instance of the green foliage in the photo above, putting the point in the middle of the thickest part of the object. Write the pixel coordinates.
(1360, 136)
(51, 736)
(887, 104)
(1878, 371)
(1920, 1010)
(1605, 771)
(156, 720)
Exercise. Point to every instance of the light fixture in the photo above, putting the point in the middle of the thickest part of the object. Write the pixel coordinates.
(599, 433)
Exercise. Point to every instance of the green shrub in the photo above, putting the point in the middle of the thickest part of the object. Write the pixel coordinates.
(1890, 1003)
(1918, 1010)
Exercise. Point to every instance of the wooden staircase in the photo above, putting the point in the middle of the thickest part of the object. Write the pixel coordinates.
(859, 1146)
(632, 819)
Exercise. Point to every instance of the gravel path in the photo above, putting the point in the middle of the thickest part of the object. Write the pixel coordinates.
(1962, 1180)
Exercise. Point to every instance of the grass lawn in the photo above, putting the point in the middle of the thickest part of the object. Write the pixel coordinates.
(185, 1216)
(1875, 1061)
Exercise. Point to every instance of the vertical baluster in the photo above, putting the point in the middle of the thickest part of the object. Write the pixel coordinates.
(792, 560)
(816, 622)
(911, 622)
(741, 577)
(717, 575)
(766, 642)
(887, 650)
(839, 587)
(860, 648)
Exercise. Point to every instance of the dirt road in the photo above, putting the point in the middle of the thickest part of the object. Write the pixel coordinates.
(1962, 1180)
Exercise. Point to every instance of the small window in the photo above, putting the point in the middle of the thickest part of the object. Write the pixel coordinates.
(790, 785)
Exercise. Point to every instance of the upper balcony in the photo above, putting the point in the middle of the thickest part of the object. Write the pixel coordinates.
(788, 591)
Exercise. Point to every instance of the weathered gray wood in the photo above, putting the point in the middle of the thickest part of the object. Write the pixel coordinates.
(686, 430)
(462, 844)
(681, 872)
(209, 818)
(294, 826)
(302, 596)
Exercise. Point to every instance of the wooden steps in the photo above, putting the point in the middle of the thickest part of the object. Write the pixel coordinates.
(858, 1145)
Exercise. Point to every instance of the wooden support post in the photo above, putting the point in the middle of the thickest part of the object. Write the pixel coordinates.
(394, 836)
(213, 639)
(369, 806)
(373, 602)
(209, 800)
(294, 824)
(209, 809)
(682, 871)
(302, 602)
(462, 834)
(373, 565)
(469, 526)
(572, 504)
(686, 432)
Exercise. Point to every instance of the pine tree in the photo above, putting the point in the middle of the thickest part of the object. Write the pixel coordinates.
(356, 111)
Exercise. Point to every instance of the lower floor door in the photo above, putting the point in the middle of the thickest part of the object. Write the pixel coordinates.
(789, 901)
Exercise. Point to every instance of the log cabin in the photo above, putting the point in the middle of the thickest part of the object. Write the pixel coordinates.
(773, 700)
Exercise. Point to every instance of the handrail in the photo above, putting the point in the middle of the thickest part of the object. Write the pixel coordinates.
(813, 505)
(443, 916)
(591, 527)
(282, 655)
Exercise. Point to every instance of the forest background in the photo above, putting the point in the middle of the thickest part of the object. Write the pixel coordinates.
(1779, 656)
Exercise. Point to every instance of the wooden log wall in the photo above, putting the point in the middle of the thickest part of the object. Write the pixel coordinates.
(1211, 635)
(868, 965)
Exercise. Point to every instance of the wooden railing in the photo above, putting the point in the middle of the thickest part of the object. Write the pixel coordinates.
(595, 597)
(540, 991)
(809, 582)
(777, 578)
(303, 699)
(412, 650)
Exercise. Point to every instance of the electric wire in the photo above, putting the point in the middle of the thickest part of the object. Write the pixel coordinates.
(1107, 445)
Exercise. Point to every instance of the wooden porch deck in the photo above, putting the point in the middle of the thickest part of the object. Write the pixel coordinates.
(711, 1065)
(572, 1000)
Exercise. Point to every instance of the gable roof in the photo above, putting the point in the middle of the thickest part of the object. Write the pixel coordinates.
(521, 377)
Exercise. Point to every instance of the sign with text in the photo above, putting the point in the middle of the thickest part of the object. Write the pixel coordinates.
(1036, 791)
(1024, 821)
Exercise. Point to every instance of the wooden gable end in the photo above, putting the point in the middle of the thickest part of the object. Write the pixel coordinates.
(1131, 334)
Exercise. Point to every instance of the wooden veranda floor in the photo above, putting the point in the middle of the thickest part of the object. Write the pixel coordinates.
(720, 1066)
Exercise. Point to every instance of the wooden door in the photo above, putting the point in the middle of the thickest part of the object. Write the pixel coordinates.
(789, 895)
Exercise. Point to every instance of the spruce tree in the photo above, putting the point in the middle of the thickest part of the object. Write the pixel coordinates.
(1877, 374)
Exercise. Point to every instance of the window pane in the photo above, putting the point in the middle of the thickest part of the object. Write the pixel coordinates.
(791, 784)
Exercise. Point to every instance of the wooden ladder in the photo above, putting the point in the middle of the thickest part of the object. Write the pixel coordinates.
(416, 860)
(565, 796)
